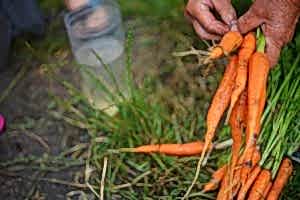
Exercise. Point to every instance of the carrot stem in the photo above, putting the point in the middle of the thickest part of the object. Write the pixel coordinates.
(261, 41)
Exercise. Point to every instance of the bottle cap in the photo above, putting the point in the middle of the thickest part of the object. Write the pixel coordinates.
(93, 21)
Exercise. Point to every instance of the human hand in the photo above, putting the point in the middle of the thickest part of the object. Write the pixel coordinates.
(75, 4)
(199, 13)
(278, 19)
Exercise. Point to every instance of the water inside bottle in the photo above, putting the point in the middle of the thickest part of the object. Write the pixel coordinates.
(111, 51)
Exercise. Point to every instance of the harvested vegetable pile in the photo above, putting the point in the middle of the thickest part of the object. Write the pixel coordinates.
(259, 166)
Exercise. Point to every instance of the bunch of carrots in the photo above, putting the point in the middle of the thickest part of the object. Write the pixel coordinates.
(243, 93)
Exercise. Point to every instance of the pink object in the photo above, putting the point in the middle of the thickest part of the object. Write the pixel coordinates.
(2, 124)
(75, 4)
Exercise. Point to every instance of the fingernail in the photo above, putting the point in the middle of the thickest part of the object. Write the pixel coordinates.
(222, 29)
(234, 25)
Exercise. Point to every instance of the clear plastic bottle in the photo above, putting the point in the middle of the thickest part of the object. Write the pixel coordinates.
(97, 27)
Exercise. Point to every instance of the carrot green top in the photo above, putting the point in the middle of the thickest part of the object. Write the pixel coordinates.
(261, 41)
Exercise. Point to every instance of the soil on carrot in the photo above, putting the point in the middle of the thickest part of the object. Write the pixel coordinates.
(42, 157)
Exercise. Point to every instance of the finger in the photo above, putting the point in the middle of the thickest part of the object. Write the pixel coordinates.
(202, 13)
(249, 21)
(203, 34)
(187, 16)
(226, 11)
(272, 50)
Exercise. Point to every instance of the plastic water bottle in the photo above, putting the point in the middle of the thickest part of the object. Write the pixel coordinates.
(97, 28)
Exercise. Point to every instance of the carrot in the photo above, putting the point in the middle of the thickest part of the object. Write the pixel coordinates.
(244, 114)
(258, 73)
(230, 42)
(217, 108)
(255, 158)
(267, 190)
(283, 175)
(216, 179)
(262, 103)
(260, 185)
(188, 149)
(244, 55)
(249, 165)
(253, 165)
(220, 101)
(223, 193)
(244, 189)
(236, 124)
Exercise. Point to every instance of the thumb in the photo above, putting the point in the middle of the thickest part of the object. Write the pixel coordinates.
(250, 20)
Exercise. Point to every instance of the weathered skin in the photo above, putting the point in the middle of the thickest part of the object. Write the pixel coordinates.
(204, 22)
(278, 19)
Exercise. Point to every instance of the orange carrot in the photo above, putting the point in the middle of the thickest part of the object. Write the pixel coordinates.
(245, 52)
(219, 104)
(260, 185)
(188, 149)
(230, 42)
(283, 175)
(267, 190)
(255, 158)
(253, 165)
(244, 189)
(220, 101)
(217, 177)
(223, 193)
(249, 165)
(236, 125)
(217, 108)
(262, 102)
(258, 73)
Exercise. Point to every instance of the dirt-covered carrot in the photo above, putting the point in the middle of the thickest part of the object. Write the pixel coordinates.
(257, 82)
(283, 175)
(230, 42)
(249, 165)
(188, 149)
(247, 49)
(255, 157)
(223, 193)
(260, 185)
(262, 103)
(216, 179)
(236, 124)
(216, 110)
(267, 190)
(237, 174)
(220, 101)
(244, 189)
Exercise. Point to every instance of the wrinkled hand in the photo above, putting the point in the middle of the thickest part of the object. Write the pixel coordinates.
(278, 19)
(75, 4)
(199, 12)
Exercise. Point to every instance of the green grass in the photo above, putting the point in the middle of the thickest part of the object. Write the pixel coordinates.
(155, 111)
(143, 118)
